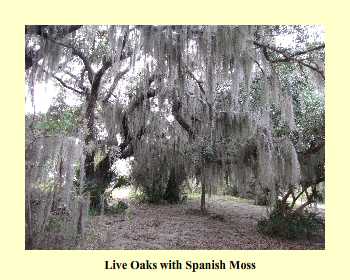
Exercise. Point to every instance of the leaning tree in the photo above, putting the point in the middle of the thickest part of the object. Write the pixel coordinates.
(219, 105)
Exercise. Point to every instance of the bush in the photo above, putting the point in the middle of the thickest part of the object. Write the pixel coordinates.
(117, 208)
(285, 223)
(93, 212)
(154, 194)
(138, 197)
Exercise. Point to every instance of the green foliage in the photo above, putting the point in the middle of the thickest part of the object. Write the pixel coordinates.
(117, 208)
(285, 223)
(309, 107)
(93, 211)
(153, 194)
(60, 119)
(94, 188)
(310, 120)
(138, 197)
(63, 124)
(121, 181)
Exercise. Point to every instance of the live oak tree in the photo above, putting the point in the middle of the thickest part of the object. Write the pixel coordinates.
(220, 105)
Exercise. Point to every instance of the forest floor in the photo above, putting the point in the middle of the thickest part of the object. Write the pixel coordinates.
(231, 223)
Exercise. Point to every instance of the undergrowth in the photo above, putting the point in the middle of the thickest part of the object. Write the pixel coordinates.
(117, 208)
(286, 223)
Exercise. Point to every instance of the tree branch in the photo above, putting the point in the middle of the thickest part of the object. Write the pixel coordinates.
(178, 117)
(71, 75)
(117, 78)
(290, 57)
(98, 76)
(81, 55)
(199, 83)
(67, 86)
(320, 47)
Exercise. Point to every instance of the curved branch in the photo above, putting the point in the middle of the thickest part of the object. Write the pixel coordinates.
(67, 86)
(284, 52)
(180, 119)
(320, 47)
(199, 83)
(80, 54)
(117, 78)
(290, 57)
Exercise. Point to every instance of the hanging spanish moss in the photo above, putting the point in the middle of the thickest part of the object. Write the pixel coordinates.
(51, 195)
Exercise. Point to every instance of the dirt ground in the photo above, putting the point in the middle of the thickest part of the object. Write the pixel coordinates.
(229, 224)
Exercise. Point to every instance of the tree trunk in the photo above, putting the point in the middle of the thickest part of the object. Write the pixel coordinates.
(172, 193)
(81, 219)
(203, 210)
(29, 228)
(89, 163)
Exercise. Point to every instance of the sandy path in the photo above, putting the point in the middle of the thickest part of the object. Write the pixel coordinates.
(229, 224)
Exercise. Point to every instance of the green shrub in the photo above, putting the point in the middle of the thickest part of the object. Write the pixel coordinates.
(121, 181)
(154, 195)
(93, 212)
(285, 223)
(117, 208)
(138, 197)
